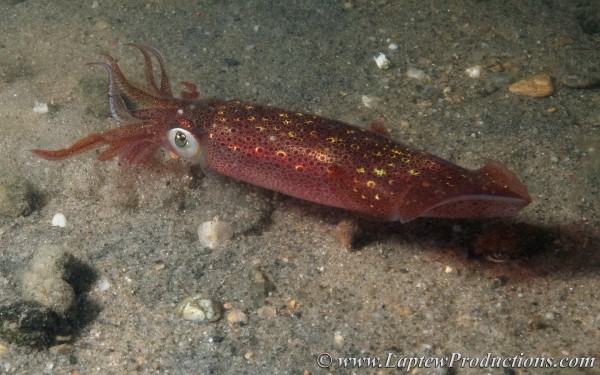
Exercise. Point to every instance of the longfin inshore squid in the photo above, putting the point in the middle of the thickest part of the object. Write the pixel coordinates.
(302, 155)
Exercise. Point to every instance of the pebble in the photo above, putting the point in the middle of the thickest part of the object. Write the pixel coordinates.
(59, 220)
(368, 101)
(382, 61)
(102, 285)
(15, 196)
(40, 107)
(213, 233)
(199, 309)
(415, 73)
(580, 81)
(338, 339)
(237, 317)
(266, 312)
(539, 85)
(44, 282)
(259, 287)
(473, 71)
(345, 233)
(28, 323)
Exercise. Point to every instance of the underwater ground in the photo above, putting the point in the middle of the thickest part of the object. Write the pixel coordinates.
(93, 291)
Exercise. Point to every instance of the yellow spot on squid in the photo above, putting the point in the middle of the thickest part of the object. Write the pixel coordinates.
(260, 128)
(280, 153)
(405, 160)
(378, 153)
(354, 147)
(284, 115)
(414, 172)
(251, 118)
(258, 149)
(391, 165)
(221, 112)
(376, 197)
(248, 107)
(291, 134)
(299, 167)
(223, 119)
(371, 183)
(360, 170)
(286, 122)
(379, 172)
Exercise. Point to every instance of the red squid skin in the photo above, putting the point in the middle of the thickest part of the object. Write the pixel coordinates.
(302, 155)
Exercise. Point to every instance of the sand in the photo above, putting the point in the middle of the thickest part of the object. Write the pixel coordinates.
(429, 288)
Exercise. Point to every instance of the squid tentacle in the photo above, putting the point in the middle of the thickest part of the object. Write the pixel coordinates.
(137, 141)
(118, 109)
(165, 84)
(136, 94)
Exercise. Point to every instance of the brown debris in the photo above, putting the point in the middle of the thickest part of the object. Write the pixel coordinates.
(539, 85)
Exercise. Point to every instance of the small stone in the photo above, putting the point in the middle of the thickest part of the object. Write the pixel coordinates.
(102, 285)
(580, 81)
(368, 101)
(338, 339)
(28, 323)
(40, 107)
(199, 309)
(62, 349)
(382, 61)
(415, 73)
(44, 280)
(345, 233)
(102, 25)
(503, 241)
(15, 196)
(213, 233)
(473, 71)
(52, 292)
(266, 312)
(496, 68)
(237, 317)
(539, 85)
(59, 220)
(259, 287)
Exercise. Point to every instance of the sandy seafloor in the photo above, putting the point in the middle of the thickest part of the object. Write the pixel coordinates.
(415, 290)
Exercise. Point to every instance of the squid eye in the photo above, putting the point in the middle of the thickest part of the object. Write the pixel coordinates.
(183, 143)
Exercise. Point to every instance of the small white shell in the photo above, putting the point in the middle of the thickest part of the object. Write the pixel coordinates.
(199, 309)
(40, 107)
(213, 233)
(382, 61)
(473, 71)
(59, 220)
